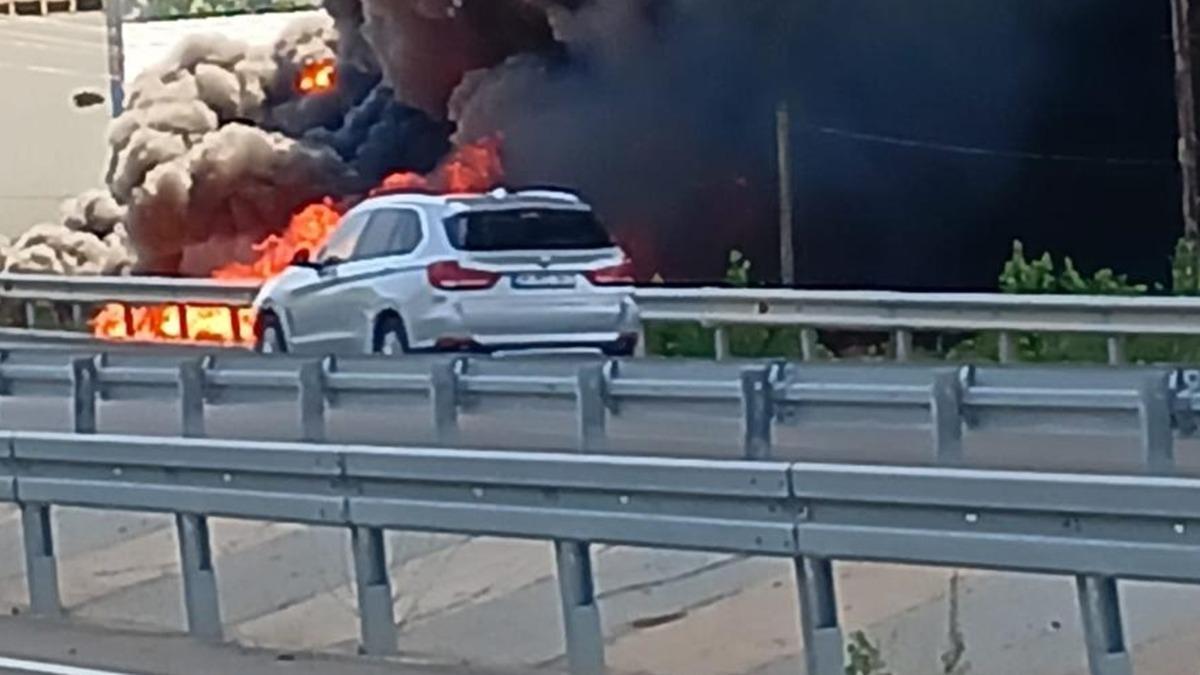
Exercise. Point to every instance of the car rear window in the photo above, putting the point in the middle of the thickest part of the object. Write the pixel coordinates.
(526, 229)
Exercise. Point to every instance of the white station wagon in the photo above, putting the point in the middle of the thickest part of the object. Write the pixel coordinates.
(407, 272)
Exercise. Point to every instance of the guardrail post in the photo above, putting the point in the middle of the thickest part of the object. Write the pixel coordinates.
(41, 566)
(1116, 350)
(821, 633)
(377, 622)
(191, 398)
(1158, 437)
(945, 404)
(83, 395)
(902, 339)
(757, 412)
(311, 396)
(77, 315)
(581, 615)
(809, 344)
(443, 397)
(721, 342)
(590, 408)
(1100, 607)
(200, 597)
(30, 314)
(1008, 347)
(639, 350)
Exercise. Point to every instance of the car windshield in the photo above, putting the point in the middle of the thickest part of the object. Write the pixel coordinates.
(526, 229)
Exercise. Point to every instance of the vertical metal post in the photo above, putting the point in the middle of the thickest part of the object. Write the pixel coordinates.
(1158, 436)
(787, 248)
(1182, 31)
(83, 395)
(946, 406)
(809, 344)
(639, 349)
(581, 615)
(191, 399)
(902, 339)
(590, 409)
(377, 622)
(721, 342)
(822, 636)
(185, 331)
(1116, 350)
(443, 396)
(1008, 347)
(114, 18)
(200, 598)
(757, 412)
(311, 395)
(1105, 638)
(30, 314)
(41, 566)
(76, 315)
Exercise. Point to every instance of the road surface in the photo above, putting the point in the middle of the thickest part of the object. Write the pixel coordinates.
(488, 603)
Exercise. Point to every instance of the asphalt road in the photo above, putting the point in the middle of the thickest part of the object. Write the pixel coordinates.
(52, 149)
(478, 604)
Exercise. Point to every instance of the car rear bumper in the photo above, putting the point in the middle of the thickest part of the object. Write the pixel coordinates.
(608, 343)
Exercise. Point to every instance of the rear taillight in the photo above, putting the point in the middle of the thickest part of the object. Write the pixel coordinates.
(620, 274)
(448, 275)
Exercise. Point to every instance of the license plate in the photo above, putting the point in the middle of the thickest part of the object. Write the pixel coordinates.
(543, 280)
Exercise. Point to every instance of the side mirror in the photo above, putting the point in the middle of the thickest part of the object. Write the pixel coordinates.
(301, 258)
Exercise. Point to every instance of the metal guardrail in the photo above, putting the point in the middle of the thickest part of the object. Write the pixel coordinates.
(1097, 528)
(1155, 404)
(149, 290)
(897, 313)
(903, 313)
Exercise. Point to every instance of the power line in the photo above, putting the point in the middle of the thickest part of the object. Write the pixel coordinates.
(936, 146)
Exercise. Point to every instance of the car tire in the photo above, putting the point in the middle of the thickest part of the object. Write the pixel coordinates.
(390, 337)
(270, 338)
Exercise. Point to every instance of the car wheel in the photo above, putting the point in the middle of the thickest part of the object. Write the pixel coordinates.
(270, 336)
(390, 337)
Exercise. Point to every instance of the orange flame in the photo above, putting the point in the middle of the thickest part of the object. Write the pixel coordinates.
(317, 77)
(472, 168)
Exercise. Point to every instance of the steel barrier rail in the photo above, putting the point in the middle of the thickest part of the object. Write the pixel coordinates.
(1154, 404)
(897, 313)
(902, 313)
(1126, 527)
(131, 289)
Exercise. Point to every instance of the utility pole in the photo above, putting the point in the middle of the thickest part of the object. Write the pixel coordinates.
(1185, 101)
(115, 17)
(783, 142)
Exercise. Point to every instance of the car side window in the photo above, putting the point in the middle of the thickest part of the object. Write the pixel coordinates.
(390, 232)
(342, 242)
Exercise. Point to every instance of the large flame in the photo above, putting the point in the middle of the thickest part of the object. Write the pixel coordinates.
(472, 168)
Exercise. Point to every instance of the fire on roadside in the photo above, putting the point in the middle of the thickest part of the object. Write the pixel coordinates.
(472, 168)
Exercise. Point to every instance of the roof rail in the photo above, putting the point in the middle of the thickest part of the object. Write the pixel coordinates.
(555, 193)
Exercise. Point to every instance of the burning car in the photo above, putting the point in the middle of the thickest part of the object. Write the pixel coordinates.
(407, 270)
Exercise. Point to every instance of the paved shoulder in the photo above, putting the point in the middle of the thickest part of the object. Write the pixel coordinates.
(34, 647)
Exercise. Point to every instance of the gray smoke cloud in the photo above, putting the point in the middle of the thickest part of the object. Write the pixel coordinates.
(216, 148)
